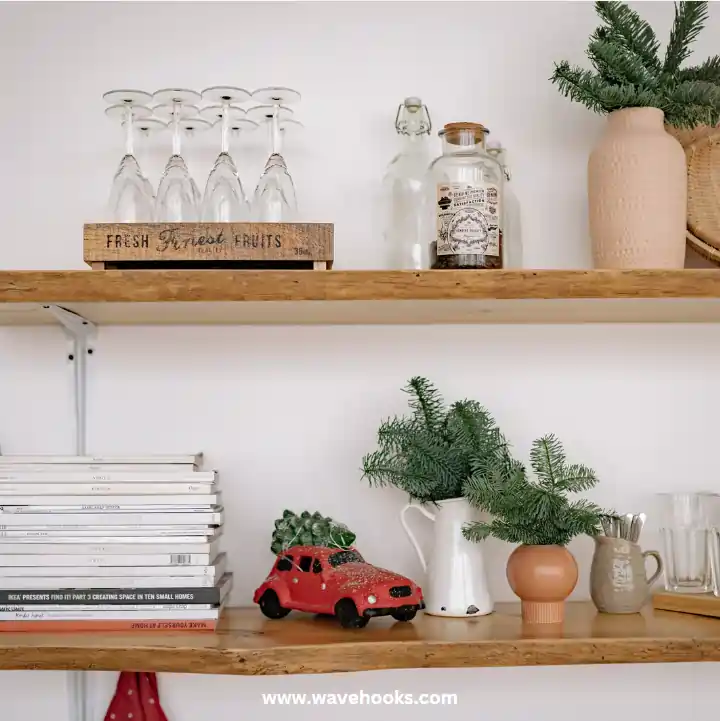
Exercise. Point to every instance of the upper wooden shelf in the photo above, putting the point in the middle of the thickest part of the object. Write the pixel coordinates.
(248, 644)
(348, 297)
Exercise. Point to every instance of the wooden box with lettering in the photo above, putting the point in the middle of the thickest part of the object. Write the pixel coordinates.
(209, 245)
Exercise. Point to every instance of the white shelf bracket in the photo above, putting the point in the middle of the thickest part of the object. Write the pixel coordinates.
(82, 334)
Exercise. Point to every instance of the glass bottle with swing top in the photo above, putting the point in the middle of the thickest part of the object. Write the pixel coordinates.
(403, 190)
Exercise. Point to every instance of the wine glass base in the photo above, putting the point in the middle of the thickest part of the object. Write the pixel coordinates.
(149, 126)
(243, 126)
(165, 112)
(264, 113)
(119, 111)
(276, 95)
(127, 97)
(225, 94)
(179, 96)
(214, 113)
(194, 125)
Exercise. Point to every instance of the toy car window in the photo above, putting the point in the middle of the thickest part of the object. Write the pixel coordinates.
(305, 563)
(317, 566)
(285, 563)
(341, 557)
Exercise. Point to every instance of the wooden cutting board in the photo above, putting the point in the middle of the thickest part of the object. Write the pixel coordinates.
(700, 604)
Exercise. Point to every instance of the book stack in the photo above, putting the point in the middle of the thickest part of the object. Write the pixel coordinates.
(110, 543)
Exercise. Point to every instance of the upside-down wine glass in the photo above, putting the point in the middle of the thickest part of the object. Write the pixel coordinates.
(131, 195)
(274, 199)
(224, 199)
(178, 198)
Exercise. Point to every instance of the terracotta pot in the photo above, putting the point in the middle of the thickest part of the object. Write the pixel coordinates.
(543, 577)
(637, 193)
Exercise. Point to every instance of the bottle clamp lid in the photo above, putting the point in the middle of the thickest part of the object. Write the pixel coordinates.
(413, 118)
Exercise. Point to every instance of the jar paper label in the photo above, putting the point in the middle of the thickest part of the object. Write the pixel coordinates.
(468, 219)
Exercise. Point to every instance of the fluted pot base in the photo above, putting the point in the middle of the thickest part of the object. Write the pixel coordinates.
(543, 611)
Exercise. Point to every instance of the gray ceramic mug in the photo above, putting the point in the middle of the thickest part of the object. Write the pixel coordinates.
(618, 580)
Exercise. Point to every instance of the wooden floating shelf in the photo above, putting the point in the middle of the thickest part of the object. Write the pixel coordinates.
(150, 297)
(249, 644)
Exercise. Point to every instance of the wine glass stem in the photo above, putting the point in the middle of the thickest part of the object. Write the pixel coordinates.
(129, 149)
(225, 130)
(275, 132)
(176, 129)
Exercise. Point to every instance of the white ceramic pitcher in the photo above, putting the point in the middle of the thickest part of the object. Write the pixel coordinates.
(456, 582)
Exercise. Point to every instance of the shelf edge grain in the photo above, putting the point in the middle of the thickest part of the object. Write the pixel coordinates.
(347, 658)
(80, 286)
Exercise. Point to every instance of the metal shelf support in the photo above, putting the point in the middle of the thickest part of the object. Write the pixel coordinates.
(81, 334)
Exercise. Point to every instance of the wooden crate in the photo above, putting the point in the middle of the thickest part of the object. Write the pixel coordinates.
(209, 245)
(699, 604)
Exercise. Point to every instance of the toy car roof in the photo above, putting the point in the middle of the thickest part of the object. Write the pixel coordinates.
(317, 551)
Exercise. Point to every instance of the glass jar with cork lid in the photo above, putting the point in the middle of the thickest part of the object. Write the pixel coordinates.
(467, 187)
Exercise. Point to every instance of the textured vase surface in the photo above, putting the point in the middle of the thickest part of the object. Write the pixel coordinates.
(637, 193)
(543, 577)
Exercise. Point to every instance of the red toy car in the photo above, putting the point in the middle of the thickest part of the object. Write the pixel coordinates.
(336, 582)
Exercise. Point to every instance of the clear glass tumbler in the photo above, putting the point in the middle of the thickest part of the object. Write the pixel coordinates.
(685, 527)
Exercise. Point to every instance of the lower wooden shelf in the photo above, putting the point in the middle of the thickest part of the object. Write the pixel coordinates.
(249, 644)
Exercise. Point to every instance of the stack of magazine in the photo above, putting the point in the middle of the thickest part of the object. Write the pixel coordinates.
(110, 543)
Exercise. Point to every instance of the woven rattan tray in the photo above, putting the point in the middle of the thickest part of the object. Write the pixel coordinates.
(702, 150)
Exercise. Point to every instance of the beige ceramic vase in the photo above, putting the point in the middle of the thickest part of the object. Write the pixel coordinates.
(637, 193)
(543, 577)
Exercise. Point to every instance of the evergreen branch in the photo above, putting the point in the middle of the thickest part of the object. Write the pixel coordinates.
(547, 460)
(617, 97)
(426, 402)
(477, 531)
(382, 468)
(471, 424)
(693, 103)
(577, 478)
(708, 72)
(533, 513)
(579, 85)
(428, 454)
(392, 433)
(627, 28)
(629, 74)
(619, 65)
(690, 18)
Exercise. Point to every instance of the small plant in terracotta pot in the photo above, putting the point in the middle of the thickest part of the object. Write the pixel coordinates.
(537, 514)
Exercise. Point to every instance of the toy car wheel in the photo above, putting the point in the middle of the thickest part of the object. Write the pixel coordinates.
(404, 615)
(347, 613)
(270, 605)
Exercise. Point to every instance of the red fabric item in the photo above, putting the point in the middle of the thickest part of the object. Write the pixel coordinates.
(136, 699)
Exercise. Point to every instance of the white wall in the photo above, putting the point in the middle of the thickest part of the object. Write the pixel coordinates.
(287, 413)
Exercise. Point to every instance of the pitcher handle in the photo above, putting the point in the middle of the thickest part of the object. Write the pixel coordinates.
(659, 562)
(410, 534)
